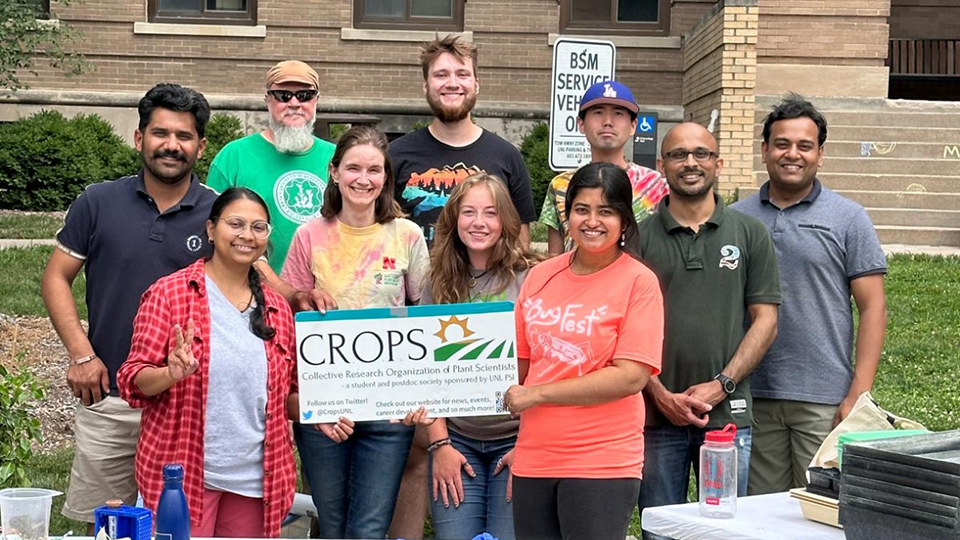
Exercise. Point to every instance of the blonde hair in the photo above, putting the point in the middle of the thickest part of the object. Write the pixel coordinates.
(451, 44)
(449, 260)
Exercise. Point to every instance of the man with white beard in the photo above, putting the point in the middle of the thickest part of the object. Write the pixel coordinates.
(285, 163)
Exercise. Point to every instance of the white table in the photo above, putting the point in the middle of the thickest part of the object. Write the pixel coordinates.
(761, 517)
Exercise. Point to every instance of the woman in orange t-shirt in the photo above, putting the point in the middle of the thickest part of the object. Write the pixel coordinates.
(589, 336)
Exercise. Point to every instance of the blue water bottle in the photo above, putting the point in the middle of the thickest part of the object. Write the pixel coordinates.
(173, 515)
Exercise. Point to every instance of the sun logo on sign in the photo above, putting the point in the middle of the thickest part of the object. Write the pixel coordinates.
(468, 348)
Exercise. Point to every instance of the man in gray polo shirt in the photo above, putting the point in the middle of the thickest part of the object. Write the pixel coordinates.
(125, 234)
(827, 250)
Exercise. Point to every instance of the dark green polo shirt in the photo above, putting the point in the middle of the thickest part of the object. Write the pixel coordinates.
(708, 279)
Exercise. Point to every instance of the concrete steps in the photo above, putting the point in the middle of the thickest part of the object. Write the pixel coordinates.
(876, 166)
(881, 182)
(899, 159)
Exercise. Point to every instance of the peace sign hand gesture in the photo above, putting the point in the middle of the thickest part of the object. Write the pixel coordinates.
(180, 362)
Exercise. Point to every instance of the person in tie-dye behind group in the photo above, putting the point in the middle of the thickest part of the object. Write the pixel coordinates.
(608, 118)
(364, 254)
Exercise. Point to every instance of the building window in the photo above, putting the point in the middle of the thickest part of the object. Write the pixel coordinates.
(203, 11)
(615, 16)
(408, 14)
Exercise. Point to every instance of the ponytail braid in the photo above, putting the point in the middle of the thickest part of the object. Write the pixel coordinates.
(257, 323)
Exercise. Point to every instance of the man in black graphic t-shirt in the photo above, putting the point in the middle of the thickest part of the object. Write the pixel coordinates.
(431, 161)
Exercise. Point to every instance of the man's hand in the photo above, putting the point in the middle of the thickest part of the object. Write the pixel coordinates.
(843, 410)
(89, 381)
(314, 300)
(683, 409)
(710, 392)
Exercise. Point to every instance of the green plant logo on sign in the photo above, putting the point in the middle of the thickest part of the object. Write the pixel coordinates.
(468, 347)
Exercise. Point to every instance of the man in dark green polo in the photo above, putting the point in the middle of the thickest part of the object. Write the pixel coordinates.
(721, 289)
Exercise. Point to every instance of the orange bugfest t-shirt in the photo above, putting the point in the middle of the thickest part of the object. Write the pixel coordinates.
(569, 326)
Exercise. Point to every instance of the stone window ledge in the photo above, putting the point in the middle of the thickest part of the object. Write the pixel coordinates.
(217, 30)
(627, 42)
(410, 36)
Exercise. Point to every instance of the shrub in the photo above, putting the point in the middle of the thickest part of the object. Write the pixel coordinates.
(535, 149)
(221, 129)
(19, 427)
(47, 160)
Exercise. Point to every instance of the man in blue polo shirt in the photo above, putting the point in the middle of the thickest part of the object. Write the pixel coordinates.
(827, 250)
(127, 234)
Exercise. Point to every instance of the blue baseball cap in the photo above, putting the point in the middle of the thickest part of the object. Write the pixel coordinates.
(608, 92)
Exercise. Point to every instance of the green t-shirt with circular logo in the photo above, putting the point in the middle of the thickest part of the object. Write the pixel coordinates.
(291, 184)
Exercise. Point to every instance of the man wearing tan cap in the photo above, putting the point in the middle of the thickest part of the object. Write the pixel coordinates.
(285, 163)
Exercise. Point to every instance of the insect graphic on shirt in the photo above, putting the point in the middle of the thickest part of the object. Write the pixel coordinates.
(554, 349)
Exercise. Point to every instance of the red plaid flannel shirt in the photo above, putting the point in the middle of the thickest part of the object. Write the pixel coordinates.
(172, 425)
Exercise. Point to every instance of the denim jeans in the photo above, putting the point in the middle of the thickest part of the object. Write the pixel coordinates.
(355, 483)
(484, 507)
(669, 452)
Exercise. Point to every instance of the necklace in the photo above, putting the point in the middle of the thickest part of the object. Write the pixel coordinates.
(472, 282)
(478, 294)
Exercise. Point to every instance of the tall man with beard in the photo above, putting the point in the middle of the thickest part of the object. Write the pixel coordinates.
(431, 161)
(126, 234)
(718, 273)
(285, 163)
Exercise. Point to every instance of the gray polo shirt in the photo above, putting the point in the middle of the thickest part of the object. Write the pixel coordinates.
(823, 242)
(127, 244)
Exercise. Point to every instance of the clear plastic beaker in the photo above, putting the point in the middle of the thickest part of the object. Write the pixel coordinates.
(25, 513)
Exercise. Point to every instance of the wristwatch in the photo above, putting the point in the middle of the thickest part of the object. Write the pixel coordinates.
(728, 384)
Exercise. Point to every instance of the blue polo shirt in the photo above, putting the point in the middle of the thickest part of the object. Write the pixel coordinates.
(127, 244)
(823, 242)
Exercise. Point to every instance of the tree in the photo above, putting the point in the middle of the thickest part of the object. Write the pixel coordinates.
(25, 38)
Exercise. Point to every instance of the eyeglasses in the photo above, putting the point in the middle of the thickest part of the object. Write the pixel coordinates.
(284, 96)
(260, 229)
(700, 154)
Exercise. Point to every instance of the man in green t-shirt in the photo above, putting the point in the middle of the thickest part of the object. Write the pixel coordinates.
(285, 163)
(721, 289)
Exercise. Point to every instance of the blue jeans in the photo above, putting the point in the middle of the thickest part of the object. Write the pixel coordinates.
(669, 452)
(484, 507)
(355, 483)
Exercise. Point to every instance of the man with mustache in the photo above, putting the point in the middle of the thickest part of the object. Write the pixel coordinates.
(126, 234)
(718, 273)
(829, 251)
(608, 118)
(285, 163)
(431, 161)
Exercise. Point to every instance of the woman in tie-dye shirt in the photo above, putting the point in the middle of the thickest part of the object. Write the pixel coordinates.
(364, 254)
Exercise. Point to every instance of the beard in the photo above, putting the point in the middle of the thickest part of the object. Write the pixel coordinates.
(167, 175)
(681, 190)
(291, 139)
(449, 115)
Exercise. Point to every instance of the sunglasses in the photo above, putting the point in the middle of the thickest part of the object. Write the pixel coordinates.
(284, 96)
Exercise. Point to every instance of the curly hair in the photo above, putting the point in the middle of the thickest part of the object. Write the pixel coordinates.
(449, 260)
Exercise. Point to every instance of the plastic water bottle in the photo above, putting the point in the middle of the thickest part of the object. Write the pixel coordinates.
(718, 474)
(173, 515)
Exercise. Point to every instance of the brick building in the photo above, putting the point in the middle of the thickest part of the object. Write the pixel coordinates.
(682, 58)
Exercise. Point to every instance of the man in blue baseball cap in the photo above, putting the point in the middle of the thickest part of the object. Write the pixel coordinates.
(608, 118)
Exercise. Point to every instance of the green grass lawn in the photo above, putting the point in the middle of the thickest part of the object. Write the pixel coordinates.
(917, 376)
(29, 226)
(20, 282)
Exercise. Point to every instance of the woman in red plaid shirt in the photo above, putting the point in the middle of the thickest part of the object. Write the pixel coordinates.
(212, 365)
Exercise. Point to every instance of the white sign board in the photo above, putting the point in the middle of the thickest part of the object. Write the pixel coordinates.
(379, 364)
(578, 64)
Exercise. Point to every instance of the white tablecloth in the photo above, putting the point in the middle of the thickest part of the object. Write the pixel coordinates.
(761, 517)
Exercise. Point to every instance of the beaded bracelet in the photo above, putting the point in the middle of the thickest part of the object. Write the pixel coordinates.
(434, 445)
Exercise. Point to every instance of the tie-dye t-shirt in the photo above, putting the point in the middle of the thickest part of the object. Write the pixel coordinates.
(377, 266)
(648, 185)
(569, 326)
